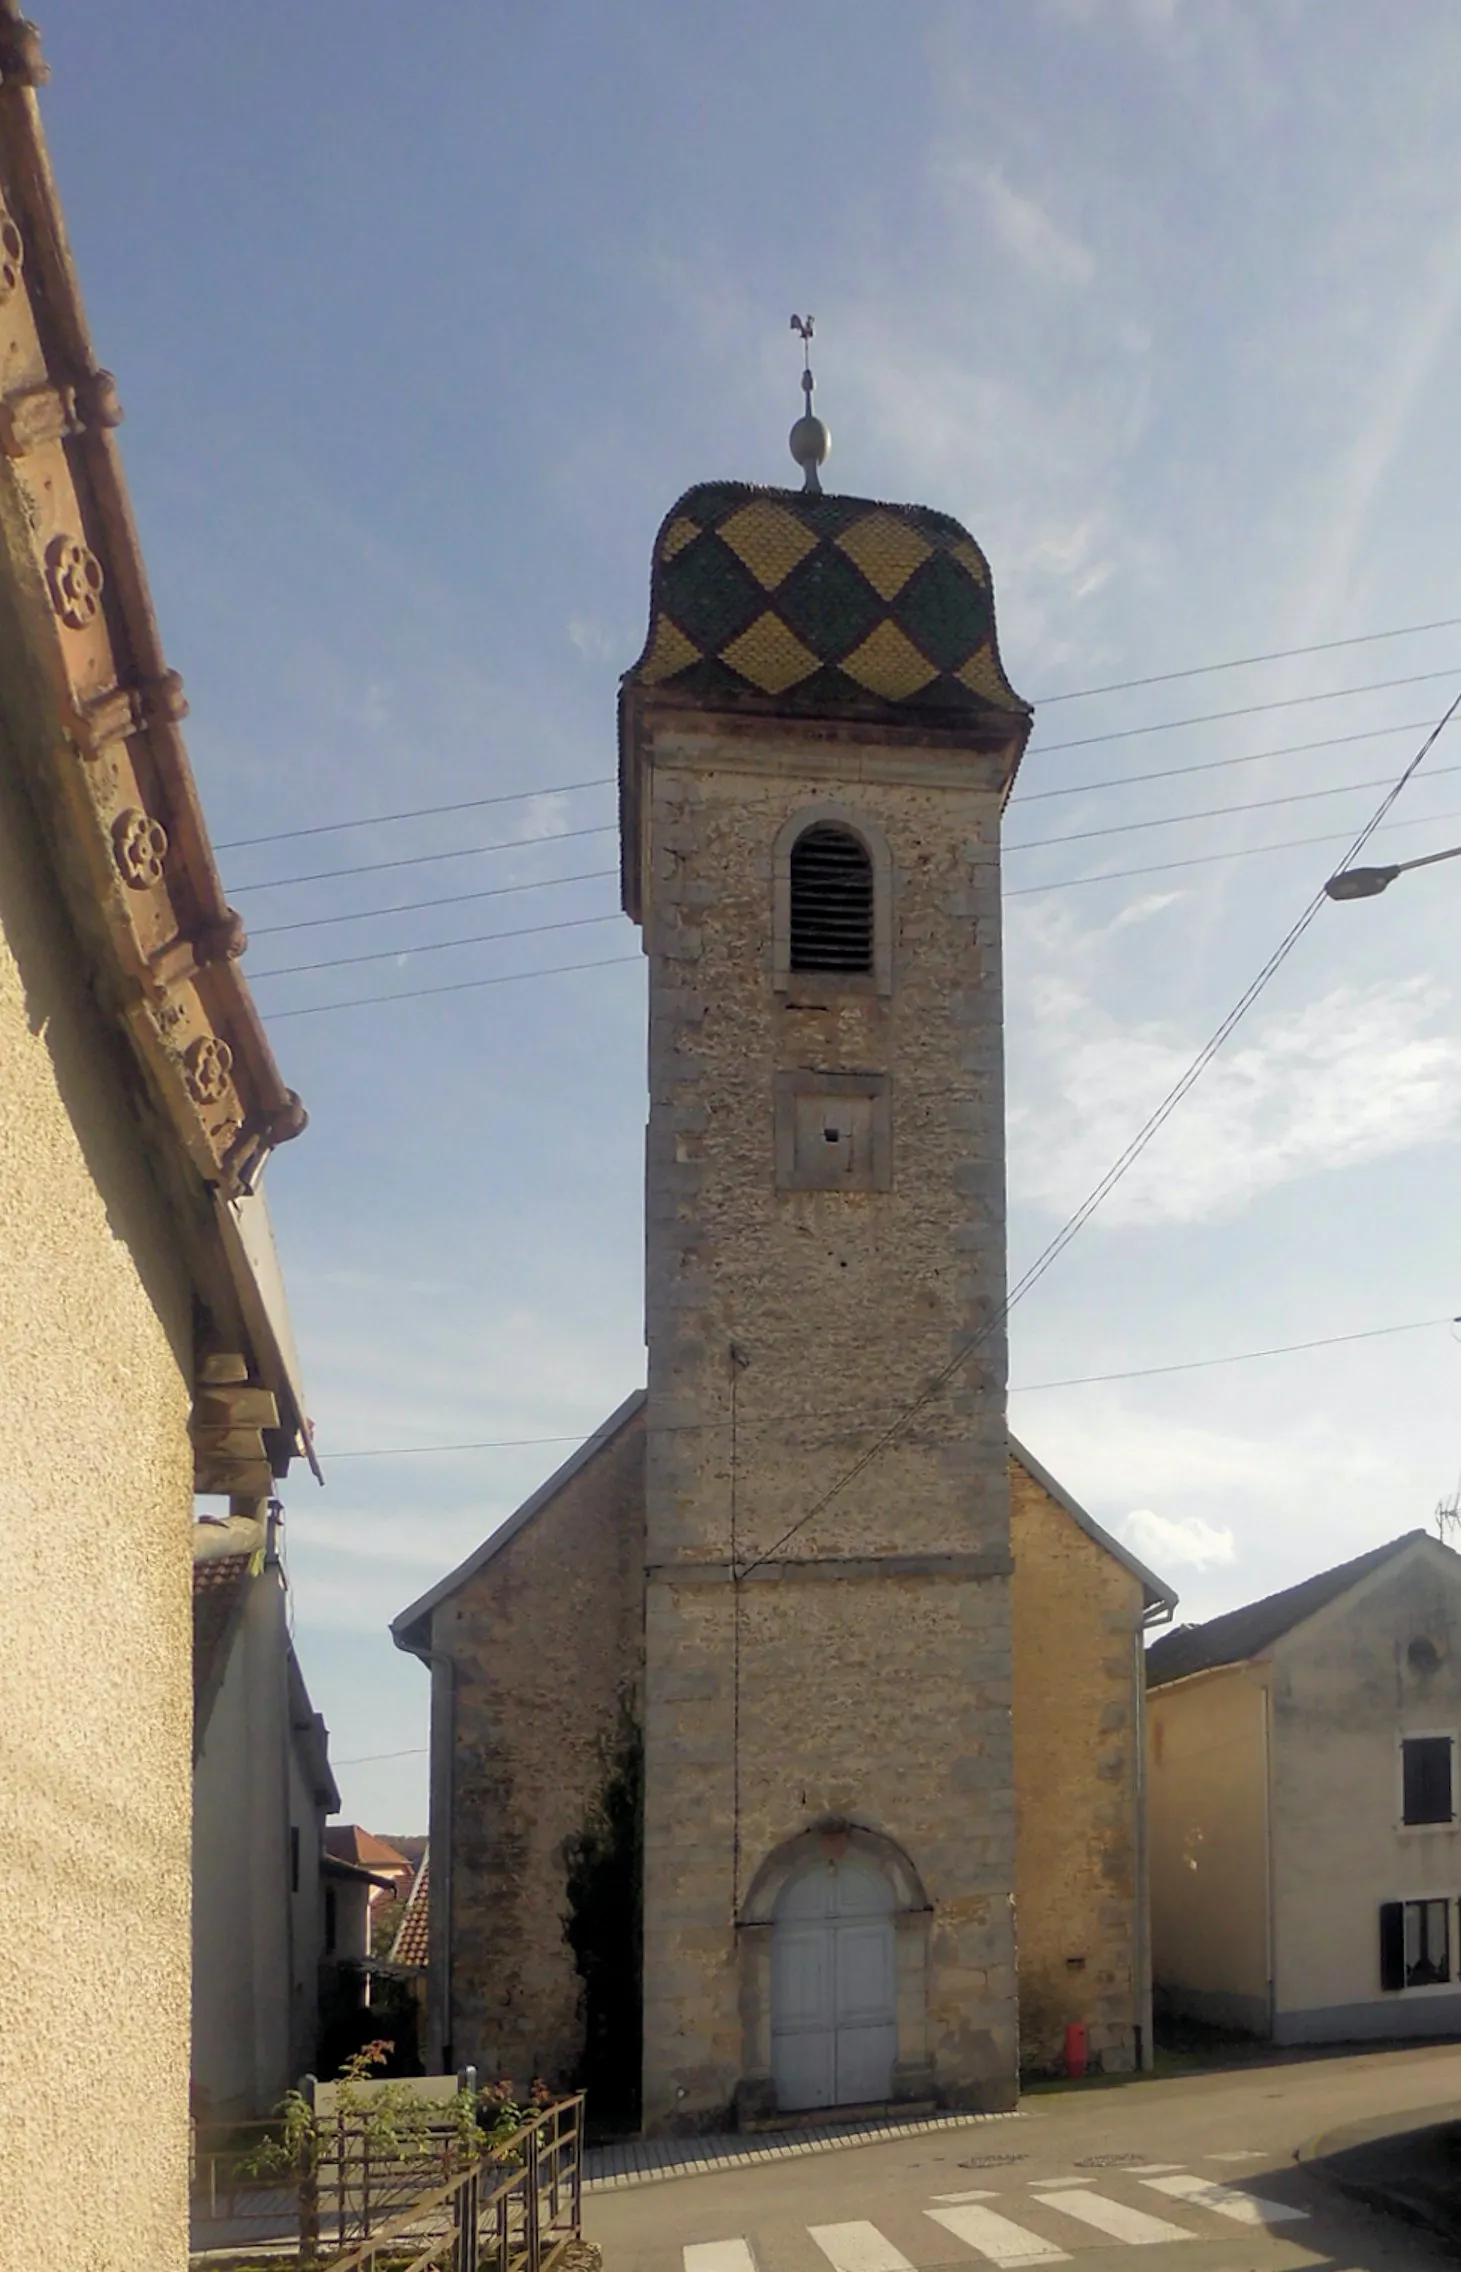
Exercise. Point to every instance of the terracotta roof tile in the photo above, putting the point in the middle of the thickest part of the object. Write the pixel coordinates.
(350, 1843)
(219, 1586)
(411, 1942)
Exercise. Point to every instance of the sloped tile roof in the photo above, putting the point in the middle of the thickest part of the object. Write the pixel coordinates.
(219, 1587)
(349, 1843)
(1247, 1632)
(411, 1941)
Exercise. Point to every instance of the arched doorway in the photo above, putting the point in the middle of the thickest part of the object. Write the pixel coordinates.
(834, 2029)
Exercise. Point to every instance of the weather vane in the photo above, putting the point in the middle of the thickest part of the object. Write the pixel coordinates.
(810, 439)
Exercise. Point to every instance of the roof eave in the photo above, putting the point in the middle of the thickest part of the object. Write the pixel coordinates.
(411, 1631)
(1158, 1596)
(137, 867)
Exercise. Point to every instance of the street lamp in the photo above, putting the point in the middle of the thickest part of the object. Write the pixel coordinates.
(1364, 883)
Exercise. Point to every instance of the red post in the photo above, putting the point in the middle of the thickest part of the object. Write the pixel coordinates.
(1075, 2050)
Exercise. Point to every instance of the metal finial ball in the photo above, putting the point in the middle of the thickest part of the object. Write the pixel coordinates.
(810, 442)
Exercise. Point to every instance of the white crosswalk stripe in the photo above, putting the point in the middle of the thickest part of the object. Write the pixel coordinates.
(971, 2217)
(996, 2237)
(1244, 2208)
(858, 2248)
(1114, 2217)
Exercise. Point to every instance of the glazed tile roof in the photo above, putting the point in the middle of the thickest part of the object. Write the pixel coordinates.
(1247, 1632)
(411, 1942)
(818, 603)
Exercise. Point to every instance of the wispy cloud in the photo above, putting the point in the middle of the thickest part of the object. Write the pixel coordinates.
(1360, 1074)
(1024, 226)
(1176, 1542)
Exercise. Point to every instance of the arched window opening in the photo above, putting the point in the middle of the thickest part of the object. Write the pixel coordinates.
(831, 901)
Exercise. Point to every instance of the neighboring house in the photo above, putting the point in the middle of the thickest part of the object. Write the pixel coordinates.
(262, 1788)
(1306, 1849)
(776, 1594)
(536, 1646)
(392, 1861)
(143, 1352)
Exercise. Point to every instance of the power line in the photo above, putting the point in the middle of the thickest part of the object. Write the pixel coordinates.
(569, 835)
(1161, 678)
(1019, 891)
(427, 859)
(1212, 812)
(415, 906)
(1244, 662)
(1241, 1357)
(418, 812)
(462, 986)
(1031, 1388)
(1215, 764)
(598, 875)
(1044, 701)
(578, 922)
(434, 946)
(1206, 859)
(369, 1758)
(1248, 710)
(1154, 1122)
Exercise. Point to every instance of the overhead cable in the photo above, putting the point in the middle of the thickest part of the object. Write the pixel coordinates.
(1248, 710)
(1119, 1168)
(1028, 1388)
(576, 922)
(425, 859)
(462, 986)
(1044, 701)
(1018, 891)
(433, 946)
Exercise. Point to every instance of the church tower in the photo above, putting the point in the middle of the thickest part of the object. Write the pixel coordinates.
(816, 746)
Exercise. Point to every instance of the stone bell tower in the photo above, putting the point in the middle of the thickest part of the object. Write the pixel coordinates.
(816, 746)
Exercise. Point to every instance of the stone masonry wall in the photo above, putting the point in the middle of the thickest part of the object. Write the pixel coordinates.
(546, 1644)
(1077, 1727)
(788, 1700)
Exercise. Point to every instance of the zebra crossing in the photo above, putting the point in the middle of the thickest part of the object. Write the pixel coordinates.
(1040, 2223)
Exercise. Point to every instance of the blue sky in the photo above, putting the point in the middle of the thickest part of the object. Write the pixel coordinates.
(421, 322)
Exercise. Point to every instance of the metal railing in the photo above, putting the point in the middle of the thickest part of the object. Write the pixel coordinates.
(515, 2211)
(354, 2204)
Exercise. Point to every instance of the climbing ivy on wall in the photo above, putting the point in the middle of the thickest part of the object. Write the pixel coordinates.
(604, 1927)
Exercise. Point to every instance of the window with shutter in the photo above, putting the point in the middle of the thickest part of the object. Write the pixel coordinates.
(831, 901)
(1426, 1770)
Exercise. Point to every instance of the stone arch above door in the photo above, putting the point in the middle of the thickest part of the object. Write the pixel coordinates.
(871, 1851)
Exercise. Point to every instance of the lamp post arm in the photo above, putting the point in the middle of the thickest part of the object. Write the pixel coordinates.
(1429, 859)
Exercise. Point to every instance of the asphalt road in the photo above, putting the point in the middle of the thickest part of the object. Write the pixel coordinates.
(1198, 2171)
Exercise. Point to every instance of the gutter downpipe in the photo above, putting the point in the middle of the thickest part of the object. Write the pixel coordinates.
(1155, 1613)
(1268, 1885)
(442, 1669)
(443, 1762)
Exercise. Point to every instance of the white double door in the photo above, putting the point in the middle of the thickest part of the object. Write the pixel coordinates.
(834, 2030)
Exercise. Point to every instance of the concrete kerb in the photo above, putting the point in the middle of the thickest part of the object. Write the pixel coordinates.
(651, 2161)
(1419, 2184)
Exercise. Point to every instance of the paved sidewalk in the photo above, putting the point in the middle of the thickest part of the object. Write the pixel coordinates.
(647, 2161)
(1407, 2165)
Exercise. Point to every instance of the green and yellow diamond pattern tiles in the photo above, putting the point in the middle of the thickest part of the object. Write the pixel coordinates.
(821, 601)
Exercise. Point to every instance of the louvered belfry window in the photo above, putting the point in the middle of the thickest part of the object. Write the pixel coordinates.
(831, 901)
